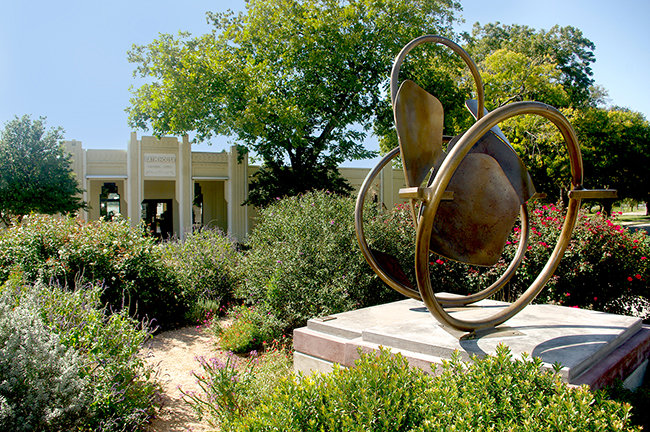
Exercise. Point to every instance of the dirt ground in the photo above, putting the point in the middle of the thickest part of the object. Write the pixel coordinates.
(174, 355)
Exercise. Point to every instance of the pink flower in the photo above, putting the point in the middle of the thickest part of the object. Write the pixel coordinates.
(642, 258)
(439, 261)
(575, 307)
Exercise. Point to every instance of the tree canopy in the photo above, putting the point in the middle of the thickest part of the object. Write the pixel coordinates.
(301, 82)
(516, 63)
(298, 82)
(615, 146)
(35, 171)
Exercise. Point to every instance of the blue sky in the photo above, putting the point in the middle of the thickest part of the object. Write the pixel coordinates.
(66, 60)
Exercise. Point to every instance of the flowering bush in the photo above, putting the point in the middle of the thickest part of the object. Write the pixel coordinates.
(126, 261)
(42, 387)
(604, 263)
(232, 388)
(605, 266)
(204, 263)
(249, 329)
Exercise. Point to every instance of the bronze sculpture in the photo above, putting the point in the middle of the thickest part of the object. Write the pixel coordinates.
(474, 194)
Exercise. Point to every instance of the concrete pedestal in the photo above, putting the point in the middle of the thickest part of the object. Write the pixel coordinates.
(594, 348)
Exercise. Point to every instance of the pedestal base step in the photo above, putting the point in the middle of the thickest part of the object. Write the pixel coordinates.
(594, 348)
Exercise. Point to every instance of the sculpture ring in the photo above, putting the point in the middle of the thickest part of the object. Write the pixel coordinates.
(408, 290)
(442, 179)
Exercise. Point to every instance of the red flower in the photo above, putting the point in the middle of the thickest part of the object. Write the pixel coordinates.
(630, 279)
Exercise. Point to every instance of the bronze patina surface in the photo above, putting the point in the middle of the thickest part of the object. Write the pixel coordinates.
(475, 192)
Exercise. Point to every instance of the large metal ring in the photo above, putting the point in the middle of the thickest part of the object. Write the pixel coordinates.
(439, 185)
(408, 291)
(361, 236)
(397, 64)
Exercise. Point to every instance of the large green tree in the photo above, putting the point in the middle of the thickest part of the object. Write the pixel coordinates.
(297, 82)
(615, 145)
(35, 172)
(564, 49)
(517, 63)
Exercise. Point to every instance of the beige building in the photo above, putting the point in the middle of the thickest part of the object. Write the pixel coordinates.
(173, 189)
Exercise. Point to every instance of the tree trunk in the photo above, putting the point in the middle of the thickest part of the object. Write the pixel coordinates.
(607, 207)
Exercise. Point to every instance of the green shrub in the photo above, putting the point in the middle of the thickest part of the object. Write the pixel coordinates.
(303, 260)
(231, 389)
(639, 399)
(42, 387)
(496, 393)
(204, 262)
(122, 392)
(125, 260)
(605, 266)
(249, 329)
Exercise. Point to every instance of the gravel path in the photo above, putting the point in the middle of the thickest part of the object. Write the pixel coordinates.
(174, 354)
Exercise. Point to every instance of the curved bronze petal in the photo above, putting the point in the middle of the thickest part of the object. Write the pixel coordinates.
(419, 121)
(474, 226)
(495, 144)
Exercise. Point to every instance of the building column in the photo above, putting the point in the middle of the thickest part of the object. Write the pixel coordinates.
(237, 193)
(134, 184)
(184, 189)
(386, 188)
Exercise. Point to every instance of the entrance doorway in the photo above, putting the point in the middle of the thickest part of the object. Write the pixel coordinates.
(109, 201)
(158, 215)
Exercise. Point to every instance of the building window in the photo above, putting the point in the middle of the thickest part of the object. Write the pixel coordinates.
(109, 201)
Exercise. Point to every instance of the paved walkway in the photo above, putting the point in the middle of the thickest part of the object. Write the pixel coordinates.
(634, 226)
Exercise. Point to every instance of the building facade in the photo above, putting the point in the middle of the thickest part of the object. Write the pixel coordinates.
(173, 189)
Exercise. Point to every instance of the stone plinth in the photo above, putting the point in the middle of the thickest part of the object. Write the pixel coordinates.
(594, 348)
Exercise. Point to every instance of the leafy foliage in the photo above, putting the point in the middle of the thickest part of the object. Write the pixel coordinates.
(296, 82)
(35, 172)
(303, 261)
(127, 262)
(614, 146)
(564, 49)
(605, 266)
(639, 399)
(108, 385)
(42, 387)
(231, 389)
(250, 329)
(381, 392)
(205, 264)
